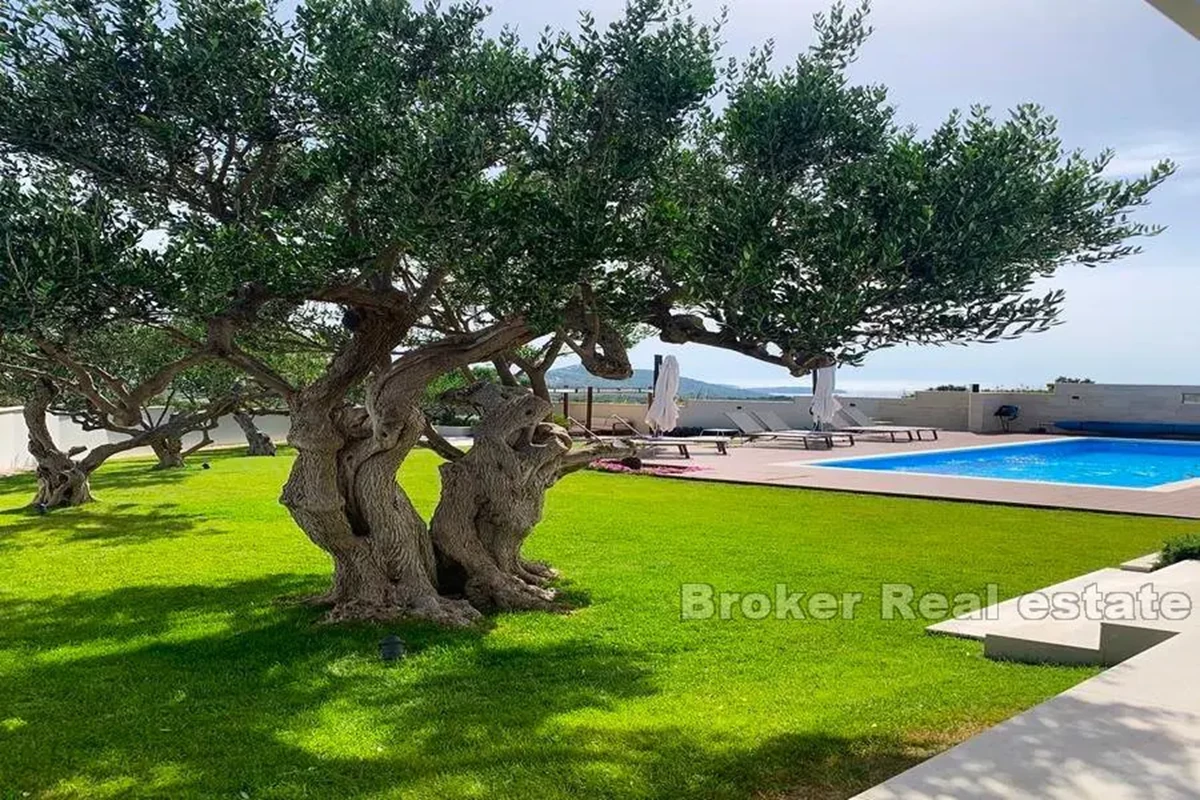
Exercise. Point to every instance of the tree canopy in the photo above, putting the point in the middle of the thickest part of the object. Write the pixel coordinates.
(429, 197)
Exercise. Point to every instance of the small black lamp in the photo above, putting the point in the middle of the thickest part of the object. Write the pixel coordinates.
(391, 649)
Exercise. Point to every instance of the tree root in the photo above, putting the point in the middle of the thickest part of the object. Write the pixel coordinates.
(537, 572)
(444, 611)
(501, 592)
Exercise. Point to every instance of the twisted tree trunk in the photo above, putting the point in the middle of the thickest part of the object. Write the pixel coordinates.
(169, 450)
(493, 496)
(343, 494)
(258, 443)
(342, 490)
(167, 441)
(61, 481)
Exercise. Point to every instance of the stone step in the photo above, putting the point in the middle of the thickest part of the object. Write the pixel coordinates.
(1130, 733)
(1008, 635)
(1029, 650)
(1147, 563)
(1005, 616)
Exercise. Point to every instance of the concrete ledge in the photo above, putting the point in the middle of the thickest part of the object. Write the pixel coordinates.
(1077, 639)
(1147, 563)
(1130, 733)
(1033, 651)
(1003, 618)
(1119, 643)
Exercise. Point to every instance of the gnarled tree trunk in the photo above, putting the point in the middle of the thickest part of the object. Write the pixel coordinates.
(344, 495)
(343, 491)
(169, 450)
(258, 443)
(493, 496)
(61, 481)
(168, 444)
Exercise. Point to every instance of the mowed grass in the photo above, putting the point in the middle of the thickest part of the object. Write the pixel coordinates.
(143, 652)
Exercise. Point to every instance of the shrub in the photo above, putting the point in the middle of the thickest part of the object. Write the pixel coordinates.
(1181, 548)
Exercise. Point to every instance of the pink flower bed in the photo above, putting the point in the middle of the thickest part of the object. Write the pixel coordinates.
(662, 470)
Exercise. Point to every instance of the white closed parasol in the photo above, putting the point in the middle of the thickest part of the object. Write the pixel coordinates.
(824, 405)
(664, 414)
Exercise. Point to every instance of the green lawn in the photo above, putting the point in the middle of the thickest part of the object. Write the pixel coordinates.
(142, 653)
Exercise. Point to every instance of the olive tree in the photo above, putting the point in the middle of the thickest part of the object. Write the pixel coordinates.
(453, 196)
(450, 199)
(811, 228)
(66, 346)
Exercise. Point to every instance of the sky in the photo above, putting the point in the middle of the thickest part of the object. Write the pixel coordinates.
(1116, 73)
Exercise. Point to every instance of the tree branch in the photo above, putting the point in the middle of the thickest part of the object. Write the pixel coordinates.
(221, 341)
(440, 445)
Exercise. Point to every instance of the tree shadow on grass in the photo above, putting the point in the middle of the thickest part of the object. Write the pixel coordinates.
(19, 483)
(108, 523)
(234, 693)
(212, 691)
(807, 765)
(120, 474)
(137, 612)
(140, 472)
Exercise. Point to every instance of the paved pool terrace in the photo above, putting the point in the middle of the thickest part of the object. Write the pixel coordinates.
(780, 464)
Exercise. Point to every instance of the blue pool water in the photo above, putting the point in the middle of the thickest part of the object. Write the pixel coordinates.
(1128, 463)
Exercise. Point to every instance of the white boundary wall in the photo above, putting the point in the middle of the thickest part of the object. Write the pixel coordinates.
(955, 411)
(974, 411)
(1094, 402)
(14, 451)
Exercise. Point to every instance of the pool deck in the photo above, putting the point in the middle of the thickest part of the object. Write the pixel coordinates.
(791, 465)
(1131, 732)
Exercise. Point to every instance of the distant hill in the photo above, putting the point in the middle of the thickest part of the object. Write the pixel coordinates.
(576, 377)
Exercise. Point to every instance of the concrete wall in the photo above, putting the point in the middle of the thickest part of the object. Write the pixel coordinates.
(711, 413)
(602, 413)
(947, 410)
(939, 409)
(975, 411)
(1089, 402)
(14, 452)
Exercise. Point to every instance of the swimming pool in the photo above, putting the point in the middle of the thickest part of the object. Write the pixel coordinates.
(1123, 463)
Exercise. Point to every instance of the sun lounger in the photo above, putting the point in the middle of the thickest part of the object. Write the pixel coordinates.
(754, 430)
(864, 427)
(822, 439)
(910, 433)
(618, 427)
(682, 443)
(776, 426)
